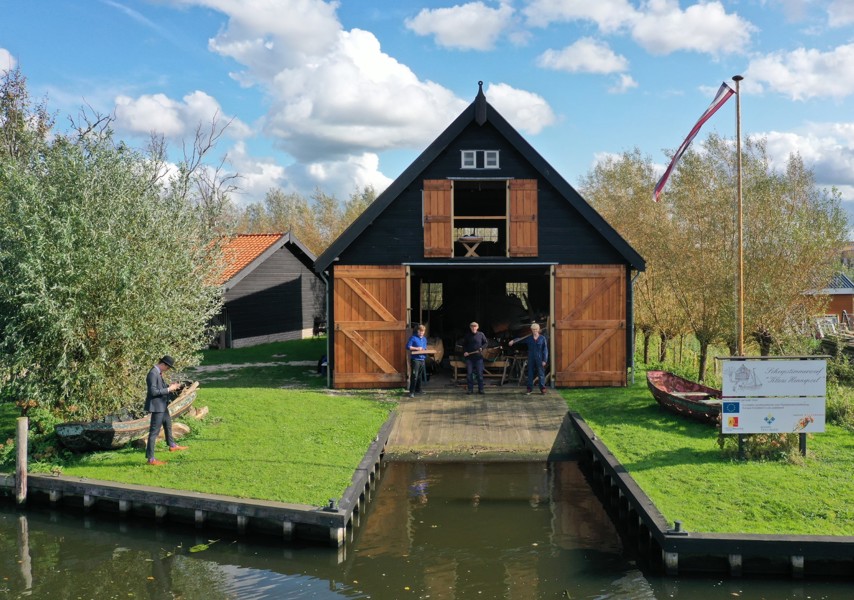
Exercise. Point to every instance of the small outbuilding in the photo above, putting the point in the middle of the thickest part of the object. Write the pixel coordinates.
(840, 293)
(480, 228)
(270, 289)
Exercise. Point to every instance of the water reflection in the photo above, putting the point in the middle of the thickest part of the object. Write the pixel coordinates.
(441, 531)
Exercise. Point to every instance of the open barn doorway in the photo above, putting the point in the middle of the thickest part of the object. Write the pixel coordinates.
(504, 300)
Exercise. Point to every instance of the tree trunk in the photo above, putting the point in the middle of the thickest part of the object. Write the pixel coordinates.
(645, 333)
(764, 339)
(662, 348)
(704, 354)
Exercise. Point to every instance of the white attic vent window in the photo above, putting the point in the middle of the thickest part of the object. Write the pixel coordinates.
(469, 159)
(490, 159)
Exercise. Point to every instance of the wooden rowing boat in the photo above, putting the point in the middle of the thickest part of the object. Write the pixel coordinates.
(109, 434)
(684, 397)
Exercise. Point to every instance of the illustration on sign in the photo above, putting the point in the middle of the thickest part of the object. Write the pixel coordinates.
(745, 379)
(803, 423)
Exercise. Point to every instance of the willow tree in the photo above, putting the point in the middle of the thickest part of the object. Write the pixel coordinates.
(619, 188)
(793, 230)
(105, 264)
(316, 221)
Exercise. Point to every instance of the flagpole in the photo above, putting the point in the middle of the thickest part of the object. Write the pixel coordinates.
(740, 349)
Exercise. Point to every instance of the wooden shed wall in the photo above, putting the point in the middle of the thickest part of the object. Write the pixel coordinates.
(276, 301)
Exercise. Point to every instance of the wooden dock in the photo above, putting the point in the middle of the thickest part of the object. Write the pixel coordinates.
(502, 425)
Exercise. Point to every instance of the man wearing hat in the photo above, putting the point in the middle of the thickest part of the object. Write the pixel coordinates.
(156, 402)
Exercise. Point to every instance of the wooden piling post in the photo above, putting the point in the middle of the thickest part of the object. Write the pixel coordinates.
(21, 442)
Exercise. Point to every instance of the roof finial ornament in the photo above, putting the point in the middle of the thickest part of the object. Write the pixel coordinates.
(480, 105)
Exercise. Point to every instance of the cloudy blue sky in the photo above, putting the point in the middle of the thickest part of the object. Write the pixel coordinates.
(338, 95)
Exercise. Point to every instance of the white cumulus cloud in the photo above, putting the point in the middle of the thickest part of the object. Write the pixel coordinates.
(7, 61)
(472, 26)
(609, 15)
(173, 119)
(840, 13)
(526, 111)
(806, 73)
(663, 27)
(584, 56)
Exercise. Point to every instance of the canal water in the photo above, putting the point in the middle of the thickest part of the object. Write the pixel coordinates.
(440, 531)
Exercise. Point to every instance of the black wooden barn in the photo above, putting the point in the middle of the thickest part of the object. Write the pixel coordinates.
(270, 289)
(480, 227)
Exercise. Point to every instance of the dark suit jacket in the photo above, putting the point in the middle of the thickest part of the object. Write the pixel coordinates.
(157, 394)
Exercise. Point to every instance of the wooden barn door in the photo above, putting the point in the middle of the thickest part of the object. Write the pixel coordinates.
(370, 326)
(590, 325)
(438, 233)
(522, 200)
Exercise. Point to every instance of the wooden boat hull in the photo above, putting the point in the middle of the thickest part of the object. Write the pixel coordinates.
(685, 398)
(97, 435)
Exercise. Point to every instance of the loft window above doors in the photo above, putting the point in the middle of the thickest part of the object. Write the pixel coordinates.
(480, 159)
(464, 218)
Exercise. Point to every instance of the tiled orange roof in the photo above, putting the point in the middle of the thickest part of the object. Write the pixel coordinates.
(241, 250)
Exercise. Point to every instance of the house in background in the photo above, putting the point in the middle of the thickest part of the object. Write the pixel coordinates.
(271, 292)
(840, 292)
(480, 228)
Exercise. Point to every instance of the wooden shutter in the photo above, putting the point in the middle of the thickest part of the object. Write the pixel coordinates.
(437, 218)
(523, 217)
(590, 325)
(370, 326)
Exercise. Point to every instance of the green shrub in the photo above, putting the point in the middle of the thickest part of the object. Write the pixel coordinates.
(763, 446)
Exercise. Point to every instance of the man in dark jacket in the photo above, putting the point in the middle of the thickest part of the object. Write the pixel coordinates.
(157, 403)
(473, 344)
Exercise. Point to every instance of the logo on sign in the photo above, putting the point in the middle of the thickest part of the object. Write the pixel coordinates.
(731, 407)
(770, 419)
(732, 421)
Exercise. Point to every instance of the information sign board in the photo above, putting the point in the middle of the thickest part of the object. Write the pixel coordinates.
(762, 395)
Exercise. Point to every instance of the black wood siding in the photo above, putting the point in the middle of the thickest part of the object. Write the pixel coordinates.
(396, 236)
(280, 295)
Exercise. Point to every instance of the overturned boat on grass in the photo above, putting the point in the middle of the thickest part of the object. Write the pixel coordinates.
(111, 433)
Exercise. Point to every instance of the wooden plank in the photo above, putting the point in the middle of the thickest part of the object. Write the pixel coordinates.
(397, 378)
(368, 298)
(437, 212)
(370, 325)
(523, 218)
(377, 358)
(611, 376)
(577, 324)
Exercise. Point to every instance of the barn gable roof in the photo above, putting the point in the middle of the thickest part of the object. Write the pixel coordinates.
(480, 112)
(245, 252)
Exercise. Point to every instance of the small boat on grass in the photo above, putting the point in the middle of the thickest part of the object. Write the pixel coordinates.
(684, 397)
(110, 433)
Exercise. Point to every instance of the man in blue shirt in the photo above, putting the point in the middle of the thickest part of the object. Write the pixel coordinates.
(417, 346)
(538, 356)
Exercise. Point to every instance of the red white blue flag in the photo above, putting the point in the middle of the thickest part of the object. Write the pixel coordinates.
(720, 98)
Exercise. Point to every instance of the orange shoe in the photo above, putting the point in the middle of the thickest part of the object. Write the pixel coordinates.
(156, 463)
(176, 448)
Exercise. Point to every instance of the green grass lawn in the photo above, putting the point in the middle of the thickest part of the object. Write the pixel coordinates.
(269, 435)
(679, 465)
